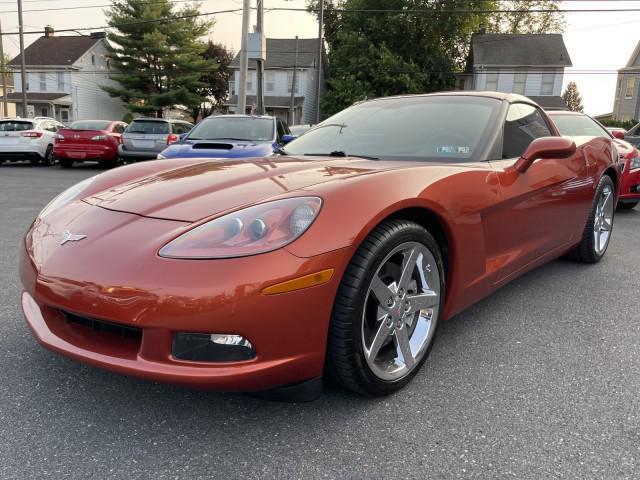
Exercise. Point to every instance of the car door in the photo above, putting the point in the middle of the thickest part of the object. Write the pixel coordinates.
(543, 209)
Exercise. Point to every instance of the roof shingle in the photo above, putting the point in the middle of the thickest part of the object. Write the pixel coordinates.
(281, 53)
(49, 51)
(514, 50)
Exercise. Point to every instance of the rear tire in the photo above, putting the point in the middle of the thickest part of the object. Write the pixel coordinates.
(627, 205)
(386, 310)
(65, 163)
(48, 160)
(597, 232)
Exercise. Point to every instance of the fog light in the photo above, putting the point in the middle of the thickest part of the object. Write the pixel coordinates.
(212, 347)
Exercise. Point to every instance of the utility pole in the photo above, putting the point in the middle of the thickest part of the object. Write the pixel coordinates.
(292, 116)
(260, 63)
(244, 60)
(4, 76)
(319, 60)
(23, 75)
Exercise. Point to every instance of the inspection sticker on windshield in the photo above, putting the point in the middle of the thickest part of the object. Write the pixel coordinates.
(453, 149)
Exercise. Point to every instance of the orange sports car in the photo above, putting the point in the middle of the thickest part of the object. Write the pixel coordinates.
(338, 257)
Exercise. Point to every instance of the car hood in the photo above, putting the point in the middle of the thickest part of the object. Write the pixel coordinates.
(208, 188)
(218, 149)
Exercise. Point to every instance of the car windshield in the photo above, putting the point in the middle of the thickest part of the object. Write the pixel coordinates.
(579, 126)
(151, 127)
(15, 126)
(90, 125)
(253, 129)
(443, 127)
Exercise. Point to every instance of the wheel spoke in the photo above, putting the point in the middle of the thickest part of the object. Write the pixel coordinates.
(428, 299)
(606, 224)
(381, 335)
(381, 292)
(409, 263)
(402, 343)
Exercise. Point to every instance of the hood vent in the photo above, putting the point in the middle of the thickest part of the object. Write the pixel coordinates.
(213, 146)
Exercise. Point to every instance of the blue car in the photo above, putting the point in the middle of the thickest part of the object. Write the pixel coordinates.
(231, 136)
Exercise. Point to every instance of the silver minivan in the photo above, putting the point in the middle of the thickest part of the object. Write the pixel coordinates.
(145, 137)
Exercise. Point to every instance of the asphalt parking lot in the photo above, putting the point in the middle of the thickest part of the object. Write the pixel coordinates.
(540, 380)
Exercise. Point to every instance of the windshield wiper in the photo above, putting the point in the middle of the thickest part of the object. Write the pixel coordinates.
(340, 154)
(340, 125)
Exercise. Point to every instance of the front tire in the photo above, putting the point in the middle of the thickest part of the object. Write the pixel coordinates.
(386, 310)
(597, 232)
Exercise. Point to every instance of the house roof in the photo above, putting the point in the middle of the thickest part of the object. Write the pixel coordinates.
(269, 101)
(281, 53)
(65, 50)
(515, 50)
(550, 102)
(36, 96)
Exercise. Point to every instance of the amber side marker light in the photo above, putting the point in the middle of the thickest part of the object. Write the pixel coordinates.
(299, 283)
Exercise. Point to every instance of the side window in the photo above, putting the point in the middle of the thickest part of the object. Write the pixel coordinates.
(281, 130)
(119, 128)
(524, 123)
(49, 126)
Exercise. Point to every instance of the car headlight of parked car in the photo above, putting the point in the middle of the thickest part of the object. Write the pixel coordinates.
(253, 230)
(634, 163)
(66, 197)
(160, 156)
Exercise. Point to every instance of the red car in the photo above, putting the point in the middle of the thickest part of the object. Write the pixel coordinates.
(582, 127)
(338, 257)
(93, 140)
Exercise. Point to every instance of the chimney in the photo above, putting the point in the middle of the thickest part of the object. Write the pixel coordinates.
(483, 29)
(48, 31)
(98, 34)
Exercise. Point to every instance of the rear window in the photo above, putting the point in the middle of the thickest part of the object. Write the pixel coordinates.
(90, 125)
(15, 126)
(151, 127)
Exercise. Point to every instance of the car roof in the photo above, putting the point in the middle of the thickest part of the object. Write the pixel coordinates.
(238, 115)
(509, 97)
(567, 112)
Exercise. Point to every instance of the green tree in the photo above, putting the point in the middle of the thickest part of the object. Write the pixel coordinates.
(526, 16)
(572, 98)
(158, 52)
(215, 87)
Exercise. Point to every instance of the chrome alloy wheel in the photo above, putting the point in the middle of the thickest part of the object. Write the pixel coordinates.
(401, 311)
(603, 220)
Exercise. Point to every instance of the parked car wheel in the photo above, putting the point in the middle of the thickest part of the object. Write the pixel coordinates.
(597, 232)
(65, 163)
(48, 159)
(386, 310)
(627, 205)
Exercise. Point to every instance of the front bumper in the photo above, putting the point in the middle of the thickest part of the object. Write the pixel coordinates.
(629, 185)
(136, 288)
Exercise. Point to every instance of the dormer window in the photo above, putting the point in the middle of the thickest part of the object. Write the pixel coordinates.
(93, 59)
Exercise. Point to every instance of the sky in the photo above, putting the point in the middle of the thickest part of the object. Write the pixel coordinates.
(598, 43)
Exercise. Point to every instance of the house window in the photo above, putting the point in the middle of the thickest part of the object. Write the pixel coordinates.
(492, 81)
(93, 59)
(630, 86)
(232, 87)
(519, 83)
(44, 111)
(269, 81)
(60, 76)
(43, 82)
(547, 84)
(619, 88)
(290, 81)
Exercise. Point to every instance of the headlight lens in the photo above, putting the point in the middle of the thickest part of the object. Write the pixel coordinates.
(160, 156)
(635, 163)
(258, 229)
(66, 197)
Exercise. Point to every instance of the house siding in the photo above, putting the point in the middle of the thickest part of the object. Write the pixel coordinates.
(533, 87)
(627, 108)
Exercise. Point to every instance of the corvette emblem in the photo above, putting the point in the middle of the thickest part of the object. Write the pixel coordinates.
(67, 236)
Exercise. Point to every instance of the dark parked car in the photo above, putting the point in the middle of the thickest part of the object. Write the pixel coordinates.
(93, 140)
(146, 137)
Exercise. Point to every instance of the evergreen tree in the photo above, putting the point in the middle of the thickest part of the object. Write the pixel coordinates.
(572, 98)
(158, 52)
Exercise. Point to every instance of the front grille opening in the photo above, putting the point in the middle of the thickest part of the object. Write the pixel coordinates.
(212, 146)
(121, 331)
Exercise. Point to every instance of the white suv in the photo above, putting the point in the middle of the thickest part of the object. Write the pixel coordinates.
(28, 139)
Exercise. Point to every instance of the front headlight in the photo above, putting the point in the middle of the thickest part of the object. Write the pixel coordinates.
(160, 156)
(634, 163)
(66, 197)
(258, 229)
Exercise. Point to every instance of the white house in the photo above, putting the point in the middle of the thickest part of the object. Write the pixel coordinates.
(63, 79)
(280, 65)
(626, 105)
(529, 64)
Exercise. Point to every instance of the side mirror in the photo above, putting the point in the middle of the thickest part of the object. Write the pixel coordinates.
(618, 134)
(287, 138)
(545, 147)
